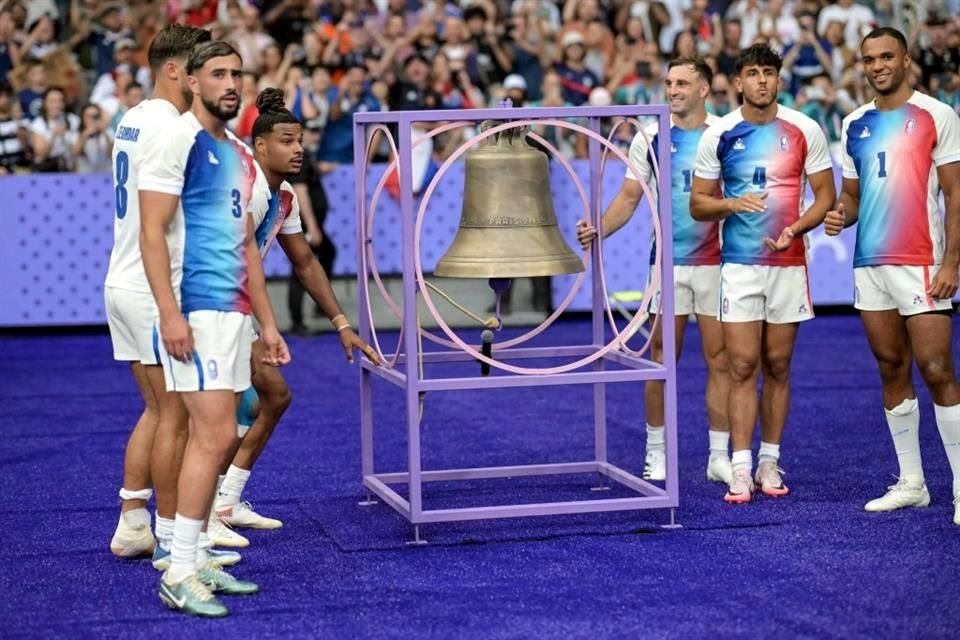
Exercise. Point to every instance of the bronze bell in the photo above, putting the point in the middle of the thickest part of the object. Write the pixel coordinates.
(508, 227)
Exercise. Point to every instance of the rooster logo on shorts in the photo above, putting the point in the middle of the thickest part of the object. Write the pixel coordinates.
(726, 305)
(212, 370)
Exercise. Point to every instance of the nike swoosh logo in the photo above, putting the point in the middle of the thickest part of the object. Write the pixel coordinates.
(182, 601)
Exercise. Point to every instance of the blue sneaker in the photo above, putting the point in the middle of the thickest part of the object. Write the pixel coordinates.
(191, 596)
(161, 558)
(219, 581)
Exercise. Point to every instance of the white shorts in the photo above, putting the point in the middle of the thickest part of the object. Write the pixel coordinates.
(894, 286)
(221, 354)
(131, 316)
(696, 289)
(751, 292)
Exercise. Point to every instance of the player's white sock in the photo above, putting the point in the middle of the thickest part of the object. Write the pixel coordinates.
(232, 487)
(656, 440)
(743, 459)
(183, 554)
(164, 532)
(719, 444)
(203, 543)
(220, 480)
(769, 452)
(948, 423)
(904, 424)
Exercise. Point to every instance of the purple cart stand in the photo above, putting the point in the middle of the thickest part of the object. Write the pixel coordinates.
(403, 370)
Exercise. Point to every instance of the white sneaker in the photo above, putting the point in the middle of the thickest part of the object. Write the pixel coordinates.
(242, 515)
(956, 510)
(130, 542)
(655, 465)
(223, 536)
(720, 469)
(900, 495)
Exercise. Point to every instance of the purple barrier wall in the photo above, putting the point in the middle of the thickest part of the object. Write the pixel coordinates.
(54, 261)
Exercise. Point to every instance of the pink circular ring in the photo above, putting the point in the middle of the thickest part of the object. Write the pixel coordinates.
(616, 342)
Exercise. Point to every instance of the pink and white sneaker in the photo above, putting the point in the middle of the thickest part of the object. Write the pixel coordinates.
(769, 480)
(740, 490)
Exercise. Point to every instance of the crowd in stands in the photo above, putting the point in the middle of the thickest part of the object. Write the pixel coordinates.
(70, 68)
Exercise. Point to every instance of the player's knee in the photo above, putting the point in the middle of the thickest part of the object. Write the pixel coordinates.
(893, 368)
(777, 369)
(278, 399)
(937, 371)
(718, 363)
(742, 368)
(213, 440)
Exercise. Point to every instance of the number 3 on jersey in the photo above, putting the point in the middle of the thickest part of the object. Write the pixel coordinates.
(122, 174)
(237, 211)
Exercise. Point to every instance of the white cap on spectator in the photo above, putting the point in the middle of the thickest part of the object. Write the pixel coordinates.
(571, 38)
(514, 81)
(125, 43)
(600, 97)
(638, 10)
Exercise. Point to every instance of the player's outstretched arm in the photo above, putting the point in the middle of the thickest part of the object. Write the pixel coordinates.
(158, 210)
(619, 212)
(846, 210)
(277, 353)
(706, 206)
(311, 275)
(945, 281)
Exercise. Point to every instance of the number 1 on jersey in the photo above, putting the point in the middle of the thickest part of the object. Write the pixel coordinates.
(760, 177)
(882, 158)
(687, 180)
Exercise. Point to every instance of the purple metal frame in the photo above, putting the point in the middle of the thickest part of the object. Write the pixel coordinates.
(635, 369)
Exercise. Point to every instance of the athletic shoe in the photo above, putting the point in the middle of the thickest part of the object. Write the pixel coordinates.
(219, 581)
(740, 490)
(720, 469)
(900, 495)
(242, 515)
(223, 536)
(224, 558)
(191, 596)
(655, 466)
(130, 542)
(956, 510)
(769, 481)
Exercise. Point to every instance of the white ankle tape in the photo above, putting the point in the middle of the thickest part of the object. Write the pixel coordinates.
(905, 408)
(142, 494)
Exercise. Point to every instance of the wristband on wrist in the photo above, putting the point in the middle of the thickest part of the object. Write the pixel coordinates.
(341, 327)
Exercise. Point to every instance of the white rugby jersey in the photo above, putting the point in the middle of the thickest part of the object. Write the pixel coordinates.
(141, 128)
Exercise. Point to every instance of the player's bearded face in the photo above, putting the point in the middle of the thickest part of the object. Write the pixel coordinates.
(220, 85)
(759, 85)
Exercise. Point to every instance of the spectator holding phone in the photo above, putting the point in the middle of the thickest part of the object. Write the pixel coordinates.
(92, 147)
